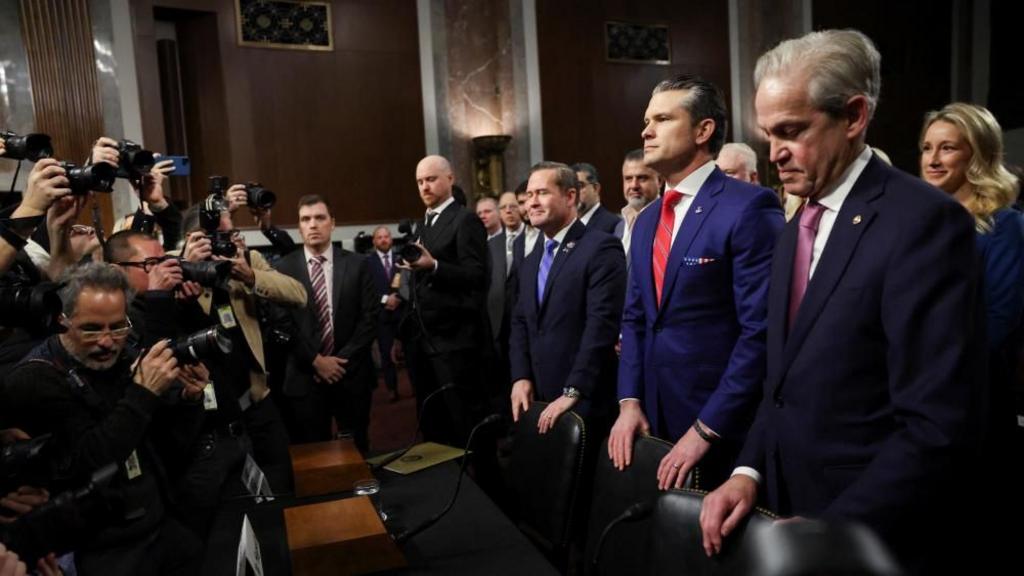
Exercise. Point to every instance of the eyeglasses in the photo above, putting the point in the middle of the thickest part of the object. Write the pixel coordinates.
(146, 265)
(118, 331)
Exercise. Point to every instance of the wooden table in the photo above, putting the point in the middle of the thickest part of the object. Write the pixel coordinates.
(327, 467)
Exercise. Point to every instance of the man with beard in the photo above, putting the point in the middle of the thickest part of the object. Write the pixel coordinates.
(640, 186)
(97, 400)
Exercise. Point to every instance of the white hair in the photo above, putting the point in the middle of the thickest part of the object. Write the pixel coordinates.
(839, 64)
(743, 151)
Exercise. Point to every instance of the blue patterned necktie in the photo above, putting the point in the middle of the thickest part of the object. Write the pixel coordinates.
(545, 267)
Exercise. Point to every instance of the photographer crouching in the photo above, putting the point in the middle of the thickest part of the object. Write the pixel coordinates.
(97, 399)
(239, 418)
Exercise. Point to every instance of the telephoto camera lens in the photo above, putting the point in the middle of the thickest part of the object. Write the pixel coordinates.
(201, 345)
(207, 273)
(31, 147)
(133, 162)
(410, 253)
(36, 308)
(222, 244)
(97, 177)
(259, 197)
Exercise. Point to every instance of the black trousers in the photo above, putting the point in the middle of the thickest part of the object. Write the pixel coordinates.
(171, 550)
(309, 417)
(450, 416)
(385, 339)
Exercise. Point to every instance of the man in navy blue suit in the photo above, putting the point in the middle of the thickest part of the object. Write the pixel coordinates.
(693, 326)
(566, 320)
(382, 266)
(872, 388)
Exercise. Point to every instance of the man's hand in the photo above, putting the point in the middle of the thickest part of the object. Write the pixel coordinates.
(152, 191)
(188, 291)
(329, 369)
(240, 269)
(194, 377)
(105, 150)
(23, 500)
(12, 435)
(724, 508)
(681, 459)
(198, 247)
(3, 147)
(46, 183)
(236, 197)
(260, 216)
(157, 369)
(47, 566)
(522, 395)
(165, 275)
(391, 304)
(397, 354)
(547, 418)
(424, 262)
(10, 565)
(620, 442)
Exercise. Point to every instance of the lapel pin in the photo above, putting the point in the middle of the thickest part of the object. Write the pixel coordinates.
(698, 210)
(856, 219)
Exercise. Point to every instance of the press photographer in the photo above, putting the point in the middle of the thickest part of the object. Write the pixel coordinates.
(97, 399)
(239, 420)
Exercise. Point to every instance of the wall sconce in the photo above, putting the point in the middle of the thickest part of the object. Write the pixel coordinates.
(489, 164)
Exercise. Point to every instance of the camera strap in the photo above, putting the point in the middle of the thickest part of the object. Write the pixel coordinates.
(17, 230)
(97, 223)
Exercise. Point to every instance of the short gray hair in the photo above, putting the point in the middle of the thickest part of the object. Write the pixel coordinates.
(744, 151)
(96, 275)
(565, 177)
(840, 64)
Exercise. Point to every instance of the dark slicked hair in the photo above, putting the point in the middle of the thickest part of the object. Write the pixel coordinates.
(312, 199)
(587, 169)
(704, 101)
(119, 246)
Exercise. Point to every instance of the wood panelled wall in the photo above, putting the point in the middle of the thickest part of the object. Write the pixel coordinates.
(65, 88)
(914, 40)
(593, 109)
(346, 124)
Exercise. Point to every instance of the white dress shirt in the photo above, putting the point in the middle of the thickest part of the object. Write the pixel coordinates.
(531, 240)
(689, 187)
(440, 208)
(328, 268)
(586, 216)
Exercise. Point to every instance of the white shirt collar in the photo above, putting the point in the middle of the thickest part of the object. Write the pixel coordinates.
(328, 254)
(382, 254)
(514, 233)
(489, 236)
(585, 218)
(834, 197)
(442, 206)
(692, 183)
(560, 235)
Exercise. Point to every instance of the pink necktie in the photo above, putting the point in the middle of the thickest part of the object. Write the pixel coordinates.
(810, 216)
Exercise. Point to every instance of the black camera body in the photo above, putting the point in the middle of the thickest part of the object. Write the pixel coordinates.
(209, 218)
(31, 147)
(208, 274)
(201, 345)
(97, 177)
(36, 308)
(134, 162)
(259, 197)
(21, 463)
(405, 246)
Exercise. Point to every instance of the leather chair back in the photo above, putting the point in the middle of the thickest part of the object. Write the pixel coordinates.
(676, 542)
(545, 476)
(614, 492)
(813, 548)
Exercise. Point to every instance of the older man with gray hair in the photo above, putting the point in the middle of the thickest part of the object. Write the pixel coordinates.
(739, 161)
(875, 374)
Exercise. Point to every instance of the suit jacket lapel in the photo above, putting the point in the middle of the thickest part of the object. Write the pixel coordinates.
(643, 238)
(441, 221)
(778, 296)
(853, 219)
(337, 276)
(698, 213)
(561, 255)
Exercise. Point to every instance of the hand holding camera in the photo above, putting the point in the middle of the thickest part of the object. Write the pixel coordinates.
(425, 261)
(151, 190)
(166, 275)
(198, 247)
(194, 377)
(46, 183)
(157, 369)
(240, 269)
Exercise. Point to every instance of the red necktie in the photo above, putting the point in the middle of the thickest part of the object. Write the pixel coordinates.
(810, 216)
(663, 239)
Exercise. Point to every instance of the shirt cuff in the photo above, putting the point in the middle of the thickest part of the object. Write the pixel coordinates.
(435, 265)
(748, 472)
(621, 400)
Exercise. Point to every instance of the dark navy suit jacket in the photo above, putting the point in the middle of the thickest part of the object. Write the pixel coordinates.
(569, 339)
(702, 352)
(604, 220)
(868, 401)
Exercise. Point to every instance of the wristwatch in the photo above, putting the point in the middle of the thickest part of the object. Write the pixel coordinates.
(570, 392)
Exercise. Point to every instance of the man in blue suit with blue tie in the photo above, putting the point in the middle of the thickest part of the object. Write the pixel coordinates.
(873, 397)
(693, 340)
(566, 320)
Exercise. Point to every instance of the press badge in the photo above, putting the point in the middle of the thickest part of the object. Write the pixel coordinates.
(227, 317)
(131, 466)
(209, 397)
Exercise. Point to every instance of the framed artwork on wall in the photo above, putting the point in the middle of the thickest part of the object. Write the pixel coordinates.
(637, 43)
(287, 24)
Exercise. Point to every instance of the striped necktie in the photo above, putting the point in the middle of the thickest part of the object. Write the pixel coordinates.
(323, 305)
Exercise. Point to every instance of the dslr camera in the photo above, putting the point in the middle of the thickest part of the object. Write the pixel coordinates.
(36, 308)
(31, 147)
(97, 177)
(133, 161)
(212, 207)
(259, 197)
(405, 246)
(201, 345)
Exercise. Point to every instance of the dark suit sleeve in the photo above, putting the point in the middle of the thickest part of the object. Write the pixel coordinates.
(631, 359)
(279, 239)
(519, 343)
(1004, 277)
(605, 293)
(469, 271)
(169, 220)
(928, 314)
(369, 312)
(728, 410)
